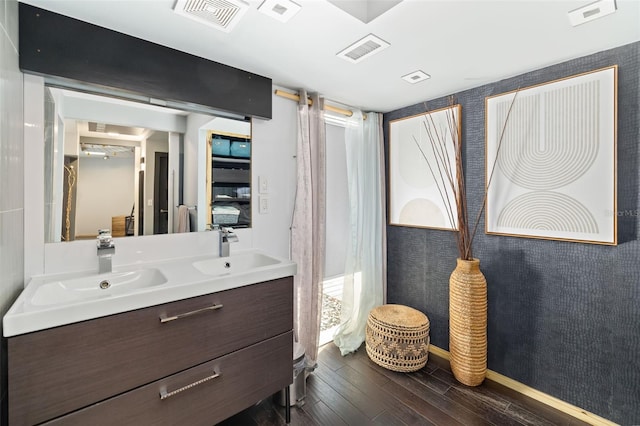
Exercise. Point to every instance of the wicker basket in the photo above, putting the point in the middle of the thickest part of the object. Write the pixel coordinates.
(468, 323)
(397, 337)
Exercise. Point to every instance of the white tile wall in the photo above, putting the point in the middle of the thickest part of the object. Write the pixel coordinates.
(10, 23)
(11, 168)
(11, 159)
(11, 257)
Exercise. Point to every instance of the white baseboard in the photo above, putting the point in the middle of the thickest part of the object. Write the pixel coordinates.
(542, 397)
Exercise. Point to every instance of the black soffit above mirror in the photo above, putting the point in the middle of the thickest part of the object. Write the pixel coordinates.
(56, 45)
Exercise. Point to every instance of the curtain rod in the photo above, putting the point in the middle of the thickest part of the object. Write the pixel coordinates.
(296, 97)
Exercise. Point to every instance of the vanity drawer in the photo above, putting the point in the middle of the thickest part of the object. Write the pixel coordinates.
(203, 395)
(59, 370)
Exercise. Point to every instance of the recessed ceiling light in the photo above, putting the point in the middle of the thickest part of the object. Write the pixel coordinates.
(363, 48)
(282, 10)
(592, 11)
(416, 77)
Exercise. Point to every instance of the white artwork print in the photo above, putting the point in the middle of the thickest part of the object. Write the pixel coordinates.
(420, 197)
(551, 169)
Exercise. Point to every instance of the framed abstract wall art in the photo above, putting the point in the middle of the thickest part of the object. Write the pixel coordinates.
(419, 191)
(551, 160)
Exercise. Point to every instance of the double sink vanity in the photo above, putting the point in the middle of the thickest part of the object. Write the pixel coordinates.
(181, 341)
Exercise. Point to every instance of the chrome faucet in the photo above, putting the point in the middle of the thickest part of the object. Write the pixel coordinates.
(226, 237)
(106, 249)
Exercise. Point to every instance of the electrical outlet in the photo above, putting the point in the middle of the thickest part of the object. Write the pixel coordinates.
(263, 184)
(264, 204)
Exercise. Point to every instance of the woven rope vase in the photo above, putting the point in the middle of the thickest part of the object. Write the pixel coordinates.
(468, 322)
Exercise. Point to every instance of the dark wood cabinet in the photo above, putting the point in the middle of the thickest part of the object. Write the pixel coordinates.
(202, 395)
(88, 372)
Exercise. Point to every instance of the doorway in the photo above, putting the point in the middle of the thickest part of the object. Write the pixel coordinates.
(161, 194)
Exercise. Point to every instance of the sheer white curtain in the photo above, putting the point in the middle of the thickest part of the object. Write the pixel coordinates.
(365, 266)
(307, 229)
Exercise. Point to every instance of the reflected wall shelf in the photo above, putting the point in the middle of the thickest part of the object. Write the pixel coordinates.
(229, 184)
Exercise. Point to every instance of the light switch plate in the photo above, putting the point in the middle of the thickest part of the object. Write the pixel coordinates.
(263, 184)
(264, 204)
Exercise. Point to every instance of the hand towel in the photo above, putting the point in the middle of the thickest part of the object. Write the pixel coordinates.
(184, 224)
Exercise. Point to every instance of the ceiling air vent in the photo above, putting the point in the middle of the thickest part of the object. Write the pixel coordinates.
(282, 10)
(363, 48)
(416, 77)
(220, 14)
(592, 11)
(113, 129)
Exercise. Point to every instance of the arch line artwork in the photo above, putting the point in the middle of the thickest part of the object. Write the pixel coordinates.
(555, 169)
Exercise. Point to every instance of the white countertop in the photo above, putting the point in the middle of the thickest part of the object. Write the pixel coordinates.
(183, 281)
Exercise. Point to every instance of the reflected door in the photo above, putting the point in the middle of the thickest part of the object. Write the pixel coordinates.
(161, 194)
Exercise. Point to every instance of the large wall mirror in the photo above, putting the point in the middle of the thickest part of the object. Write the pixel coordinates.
(138, 169)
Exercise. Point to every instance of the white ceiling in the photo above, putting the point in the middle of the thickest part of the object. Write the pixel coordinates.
(461, 44)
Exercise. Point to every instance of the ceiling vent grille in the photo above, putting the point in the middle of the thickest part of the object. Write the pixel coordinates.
(363, 48)
(416, 77)
(592, 11)
(113, 129)
(219, 14)
(281, 10)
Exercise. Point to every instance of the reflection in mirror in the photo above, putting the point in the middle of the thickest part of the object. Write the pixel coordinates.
(229, 171)
(125, 166)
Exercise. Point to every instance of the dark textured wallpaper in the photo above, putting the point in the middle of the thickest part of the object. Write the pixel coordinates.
(564, 317)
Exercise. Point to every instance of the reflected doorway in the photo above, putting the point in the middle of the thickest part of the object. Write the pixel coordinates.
(161, 194)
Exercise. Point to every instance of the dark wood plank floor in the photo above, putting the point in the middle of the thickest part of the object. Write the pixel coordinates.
(352, 390)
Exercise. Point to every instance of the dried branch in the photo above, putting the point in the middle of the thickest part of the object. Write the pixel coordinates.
(442, 173)
(495, 163)
(435, 178)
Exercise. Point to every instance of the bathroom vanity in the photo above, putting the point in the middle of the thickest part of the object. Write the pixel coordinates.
(175, 342)
(193, 361)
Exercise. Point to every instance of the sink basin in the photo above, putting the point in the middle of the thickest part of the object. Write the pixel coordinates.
(95, 286)
(57, 299)
(235, 263)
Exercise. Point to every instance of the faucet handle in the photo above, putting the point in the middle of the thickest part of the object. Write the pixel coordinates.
(228, 234)
(104, 238)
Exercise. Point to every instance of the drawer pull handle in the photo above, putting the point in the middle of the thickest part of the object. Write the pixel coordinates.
(164, 318)
(164, 394)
